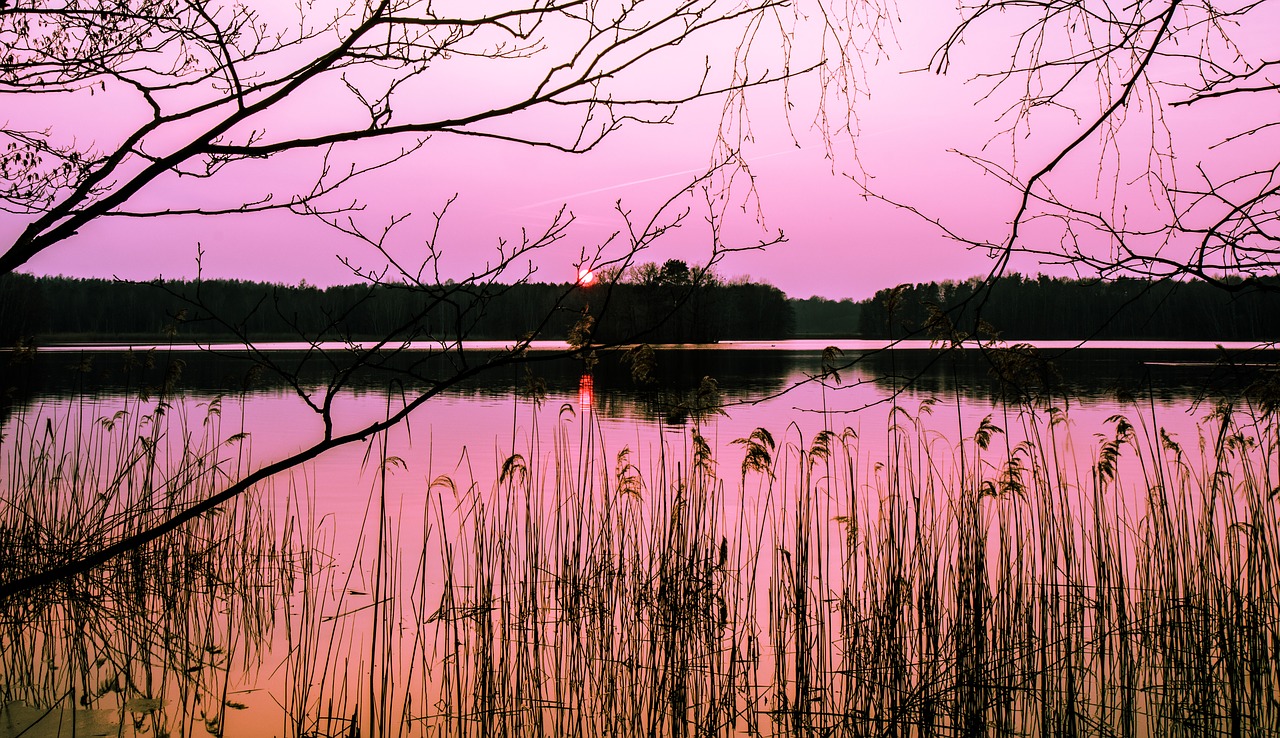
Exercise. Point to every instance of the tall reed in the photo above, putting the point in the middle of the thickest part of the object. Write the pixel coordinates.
(1014, 577)
(156, 637)
(1012, 581)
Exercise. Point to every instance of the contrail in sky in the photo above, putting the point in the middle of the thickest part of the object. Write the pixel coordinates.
(646, 180)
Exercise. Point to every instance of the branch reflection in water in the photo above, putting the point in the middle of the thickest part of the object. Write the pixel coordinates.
(968, 564)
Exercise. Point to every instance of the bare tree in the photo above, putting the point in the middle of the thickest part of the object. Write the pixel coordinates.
(206, 79)
(203, 86)
(1139, 138)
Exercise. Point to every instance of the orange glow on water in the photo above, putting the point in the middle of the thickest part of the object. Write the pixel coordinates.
(586, 392)
(586, 277)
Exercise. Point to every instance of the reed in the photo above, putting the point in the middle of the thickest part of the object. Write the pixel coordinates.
(158, 637)
(1015, 577)
(1008, 582)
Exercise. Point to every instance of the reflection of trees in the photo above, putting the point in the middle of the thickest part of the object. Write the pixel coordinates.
(1021, 373)
(742, 375)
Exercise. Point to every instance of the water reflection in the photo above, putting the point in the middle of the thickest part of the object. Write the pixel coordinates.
(743, 376)
(155, 641)
(999, 569)
(586, 392)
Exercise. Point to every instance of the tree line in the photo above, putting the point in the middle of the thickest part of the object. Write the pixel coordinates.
(1016, 307)
(667, 304)
(676, 306)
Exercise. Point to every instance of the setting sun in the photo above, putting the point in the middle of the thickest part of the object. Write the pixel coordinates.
(586, 277)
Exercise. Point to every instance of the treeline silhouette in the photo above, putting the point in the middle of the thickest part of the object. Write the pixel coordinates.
(674, 307)
(1018, 307)
(657, 304)
(818, 317)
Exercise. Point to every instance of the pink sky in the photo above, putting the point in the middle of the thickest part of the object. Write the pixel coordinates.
(839, 245)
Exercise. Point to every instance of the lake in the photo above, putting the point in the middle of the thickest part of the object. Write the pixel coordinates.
(915, 543)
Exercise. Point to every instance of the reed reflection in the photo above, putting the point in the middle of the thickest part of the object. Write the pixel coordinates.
(1001, 568)
(747, 375)
(155, 641)
(586, 392)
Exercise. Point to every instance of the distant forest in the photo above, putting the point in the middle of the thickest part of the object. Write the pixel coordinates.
(1018, 307)
(1015, 307)
(661, 305)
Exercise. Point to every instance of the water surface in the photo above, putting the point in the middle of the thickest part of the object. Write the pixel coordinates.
(557, 565)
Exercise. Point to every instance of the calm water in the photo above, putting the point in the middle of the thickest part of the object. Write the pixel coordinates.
(770, 386)
(570, 566)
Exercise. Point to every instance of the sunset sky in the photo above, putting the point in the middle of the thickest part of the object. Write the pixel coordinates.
(838, 243)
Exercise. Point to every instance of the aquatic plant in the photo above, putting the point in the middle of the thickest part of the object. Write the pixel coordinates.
(1012, 577)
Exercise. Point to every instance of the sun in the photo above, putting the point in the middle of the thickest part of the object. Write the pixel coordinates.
(586, 277)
